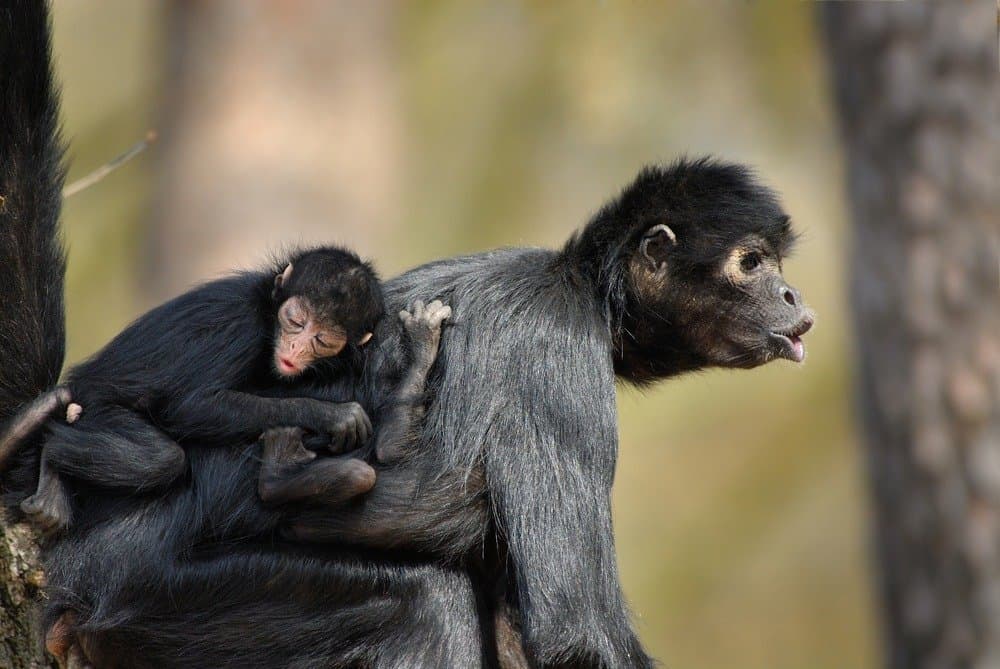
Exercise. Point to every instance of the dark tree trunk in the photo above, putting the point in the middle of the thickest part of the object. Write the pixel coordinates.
(20, 579)
(917, 90)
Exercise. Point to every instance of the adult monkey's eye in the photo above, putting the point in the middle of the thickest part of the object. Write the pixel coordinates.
(750, 262)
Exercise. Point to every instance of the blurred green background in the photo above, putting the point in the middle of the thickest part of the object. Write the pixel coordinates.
(419, 130)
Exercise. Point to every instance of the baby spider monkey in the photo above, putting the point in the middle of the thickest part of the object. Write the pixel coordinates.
(226, 361)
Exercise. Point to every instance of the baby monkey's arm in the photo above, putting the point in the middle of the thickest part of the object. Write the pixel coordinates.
(225, 413)
(400, 425)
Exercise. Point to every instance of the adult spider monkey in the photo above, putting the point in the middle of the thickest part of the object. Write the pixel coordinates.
(681, 272)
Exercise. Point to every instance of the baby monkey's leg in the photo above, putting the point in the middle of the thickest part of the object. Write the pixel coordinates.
(49, 508)
(108, 446)
(290, 472)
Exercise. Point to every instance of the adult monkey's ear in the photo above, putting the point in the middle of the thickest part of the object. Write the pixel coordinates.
(655, 245)
(280, 280)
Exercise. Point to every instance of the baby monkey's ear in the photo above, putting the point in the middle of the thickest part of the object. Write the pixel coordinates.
(365, 338)
(655, 245)
(280, 279)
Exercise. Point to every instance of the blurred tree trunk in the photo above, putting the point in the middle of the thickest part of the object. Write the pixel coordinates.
(20, 578)
(278, 127)
(917, 90)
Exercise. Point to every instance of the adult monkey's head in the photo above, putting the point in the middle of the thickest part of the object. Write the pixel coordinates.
(325, 299)
(691, 267)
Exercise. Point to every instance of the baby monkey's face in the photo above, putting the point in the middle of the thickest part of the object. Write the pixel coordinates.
(303, 337)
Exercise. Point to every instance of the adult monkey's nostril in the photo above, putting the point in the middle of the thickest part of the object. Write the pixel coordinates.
(788, 295)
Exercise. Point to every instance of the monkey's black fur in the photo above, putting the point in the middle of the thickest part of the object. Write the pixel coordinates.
(177, 362)
(32, 326)
(336, 282)
(195, 369)
(511, 474)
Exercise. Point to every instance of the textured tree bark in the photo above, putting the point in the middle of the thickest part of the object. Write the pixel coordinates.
(278, 127)
(20, 579)
(918, 94)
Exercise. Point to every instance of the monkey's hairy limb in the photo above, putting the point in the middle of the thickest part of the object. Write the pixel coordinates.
(30, 418)
(32, 323)
(49, 508)
(290, 472)
(423, 327)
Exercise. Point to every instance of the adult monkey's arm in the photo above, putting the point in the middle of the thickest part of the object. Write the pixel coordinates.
(550, 465)
(527, 401)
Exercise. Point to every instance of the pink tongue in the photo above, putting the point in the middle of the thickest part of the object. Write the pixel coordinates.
(798, 349)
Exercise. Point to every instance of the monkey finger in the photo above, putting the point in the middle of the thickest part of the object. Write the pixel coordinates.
(364, 432)
(334, 442)
(418, 308)
(73, 412)
(349, 435)
(368, 431)
(316, 441)
(358, 434)
(441, 315)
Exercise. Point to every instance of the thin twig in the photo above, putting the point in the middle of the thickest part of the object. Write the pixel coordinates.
(105, 170)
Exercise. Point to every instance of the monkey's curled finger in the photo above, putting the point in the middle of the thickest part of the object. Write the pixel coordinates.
(348, 435)
(442, 314)
(367, 431)
(359, 433)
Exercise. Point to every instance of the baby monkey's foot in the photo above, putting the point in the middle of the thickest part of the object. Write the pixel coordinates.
(283, 454)
(284, 448)
(49, 509)
(423, 325)
(73, 411)
(291, 473)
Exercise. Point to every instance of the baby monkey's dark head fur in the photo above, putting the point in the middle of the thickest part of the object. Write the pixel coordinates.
(689, 261)
(324, 299)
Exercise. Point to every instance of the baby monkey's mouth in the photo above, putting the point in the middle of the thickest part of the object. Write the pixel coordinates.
(286, 366)
(788, 344)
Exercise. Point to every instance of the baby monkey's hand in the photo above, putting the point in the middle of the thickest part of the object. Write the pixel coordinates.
(423, 326)
(347, 425)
